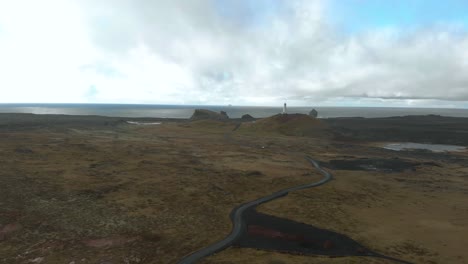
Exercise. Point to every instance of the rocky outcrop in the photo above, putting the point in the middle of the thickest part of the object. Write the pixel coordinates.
(313, 113)
(247, 117)
(203, 114)
(224, 114)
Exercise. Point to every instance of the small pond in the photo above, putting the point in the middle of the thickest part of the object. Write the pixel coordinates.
(416, 146)
(143, 123)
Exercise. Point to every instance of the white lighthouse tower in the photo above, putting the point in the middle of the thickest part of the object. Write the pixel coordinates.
(284, 109)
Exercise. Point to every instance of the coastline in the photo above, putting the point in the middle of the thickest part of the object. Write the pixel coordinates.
(185, 111)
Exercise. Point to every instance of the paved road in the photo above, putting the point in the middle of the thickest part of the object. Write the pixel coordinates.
(237, 217)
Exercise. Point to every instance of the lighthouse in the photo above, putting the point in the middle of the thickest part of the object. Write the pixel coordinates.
(284, 109)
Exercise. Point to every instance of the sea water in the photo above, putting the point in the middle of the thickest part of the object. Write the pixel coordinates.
(431, 147)
(185, 111)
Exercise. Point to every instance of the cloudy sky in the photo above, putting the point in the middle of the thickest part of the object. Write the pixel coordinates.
(239, 52)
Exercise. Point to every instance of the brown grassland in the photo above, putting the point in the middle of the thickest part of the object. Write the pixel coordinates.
(99, 190)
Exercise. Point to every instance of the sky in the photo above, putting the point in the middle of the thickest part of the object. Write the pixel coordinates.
(399, 53)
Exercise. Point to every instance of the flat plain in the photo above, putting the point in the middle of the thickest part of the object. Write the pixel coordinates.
(99, 190)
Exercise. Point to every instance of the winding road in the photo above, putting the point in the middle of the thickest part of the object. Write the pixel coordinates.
(239, 224)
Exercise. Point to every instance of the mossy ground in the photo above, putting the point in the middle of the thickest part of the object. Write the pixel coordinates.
(118, 193)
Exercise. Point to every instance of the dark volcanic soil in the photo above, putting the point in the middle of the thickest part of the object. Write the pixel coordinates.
(269, 232)
(420, 129)
(383, 165)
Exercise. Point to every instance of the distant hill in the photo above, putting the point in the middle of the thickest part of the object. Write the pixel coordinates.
(289, 124)
(247, 117)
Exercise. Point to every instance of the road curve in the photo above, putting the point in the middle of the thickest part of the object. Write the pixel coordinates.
(237, 213)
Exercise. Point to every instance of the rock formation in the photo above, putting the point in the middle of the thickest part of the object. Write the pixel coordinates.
(223, 114)
(247, 117)
(313, 113)
(203, 114)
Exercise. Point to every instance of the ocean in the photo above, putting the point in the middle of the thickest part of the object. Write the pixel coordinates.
(185, 111)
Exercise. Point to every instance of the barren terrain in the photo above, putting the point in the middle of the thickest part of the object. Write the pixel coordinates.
(100, 190)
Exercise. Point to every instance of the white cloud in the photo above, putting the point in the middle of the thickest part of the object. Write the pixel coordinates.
(194, 52)
(43, 43)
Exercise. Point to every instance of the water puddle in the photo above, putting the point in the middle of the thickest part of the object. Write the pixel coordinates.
(418, 146)
(143, 123)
